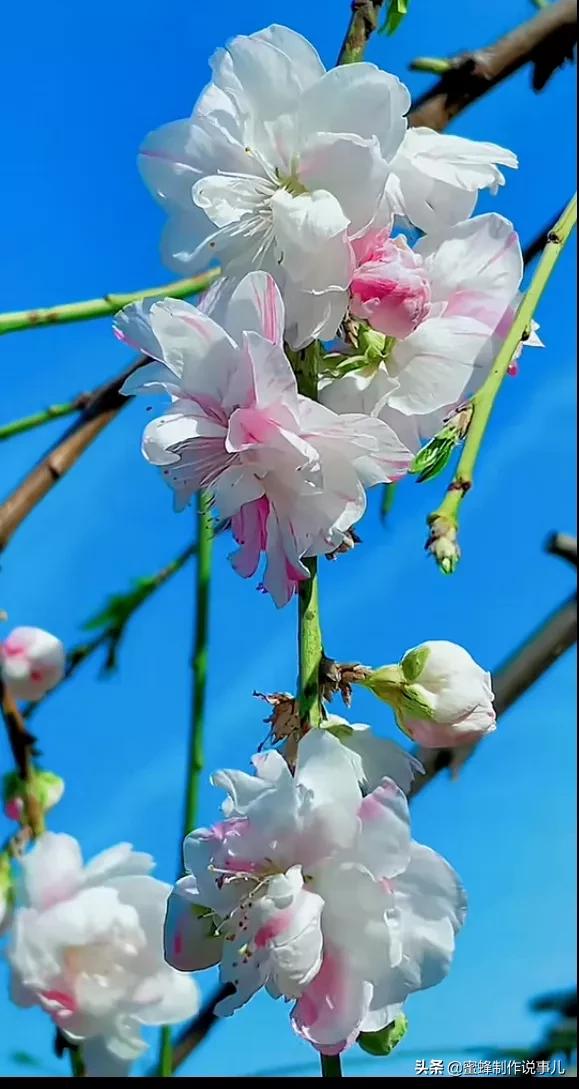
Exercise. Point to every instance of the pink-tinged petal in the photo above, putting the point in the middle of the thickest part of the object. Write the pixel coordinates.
(435, 363)
(256, 306)
(334, 1005)
(248, 528)
(390, 288)
(384, 838)
(274, 381)
(481, 255)
(284, 569)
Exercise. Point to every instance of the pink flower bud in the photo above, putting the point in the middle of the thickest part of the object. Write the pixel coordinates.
(14, 809)
(31, 663)
(389, 288)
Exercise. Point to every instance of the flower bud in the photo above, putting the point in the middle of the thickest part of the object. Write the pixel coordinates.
(32, 662)
(440, 695)
(443, 544)
(389, 288)
(46, 788)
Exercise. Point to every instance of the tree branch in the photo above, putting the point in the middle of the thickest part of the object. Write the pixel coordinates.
(102, 308)
(546, 42)
(363, 23)
(103, 406)
(512, 679)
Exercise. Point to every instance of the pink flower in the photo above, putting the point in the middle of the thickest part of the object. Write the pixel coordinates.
(389, 288)
(317, 893)
(288, 472)
(31, 662)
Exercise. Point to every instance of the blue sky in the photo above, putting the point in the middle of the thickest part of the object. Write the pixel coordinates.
(81, 86)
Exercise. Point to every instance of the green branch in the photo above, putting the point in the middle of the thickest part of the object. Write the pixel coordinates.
(38, 419)
(363, 23)
(444, 522)
(195, 758)
(438, 66)
(103, 307)
(205, 534)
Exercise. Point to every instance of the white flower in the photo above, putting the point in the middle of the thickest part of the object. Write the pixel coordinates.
(287, 471)
(472, 273)
(440, 695)
(438, 177)
(87, 948)
(280, 165)
(317, 893)
(374, 758)
(32, 662)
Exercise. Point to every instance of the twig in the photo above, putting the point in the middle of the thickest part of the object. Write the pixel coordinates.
(546, 42)
(444, 521)
(38, 419)
(104, 307)
(103, 406)
(564, 546)
(510, 681)
(538, 243)
(195, 757)
(363, 23)
(22, 747)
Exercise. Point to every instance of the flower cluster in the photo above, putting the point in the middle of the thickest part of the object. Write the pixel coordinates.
(313, 888)
(301, 182)
(86, 946)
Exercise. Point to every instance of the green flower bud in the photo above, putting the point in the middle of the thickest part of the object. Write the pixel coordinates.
(46, 787)
(384, 1041)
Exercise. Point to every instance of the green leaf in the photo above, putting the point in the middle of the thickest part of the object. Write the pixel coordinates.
(397, 10)
(24, 1058)
(384, 1041)
(435, 456)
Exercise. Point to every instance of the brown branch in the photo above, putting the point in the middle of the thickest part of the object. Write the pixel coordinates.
(103, 406)
(22, 746)
(363, 23)
(546, 42)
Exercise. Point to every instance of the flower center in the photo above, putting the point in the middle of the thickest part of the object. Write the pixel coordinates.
(290, 182)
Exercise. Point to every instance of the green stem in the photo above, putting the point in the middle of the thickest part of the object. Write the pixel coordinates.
(310, 649)
(103, 307)
(439, 66)
(77, 1063)
(331, 1066)
(200, 657)
(363, 23)
(204, 550)
(483, 402)
(53, 412)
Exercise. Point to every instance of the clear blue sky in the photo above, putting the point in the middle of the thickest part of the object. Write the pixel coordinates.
(80, 86)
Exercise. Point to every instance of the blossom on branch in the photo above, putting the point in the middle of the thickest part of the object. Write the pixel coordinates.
(283, 165)
(440, 695)
(317, 893)
(87, 947)
(289, 473)
(440, 309)
(32, 662)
